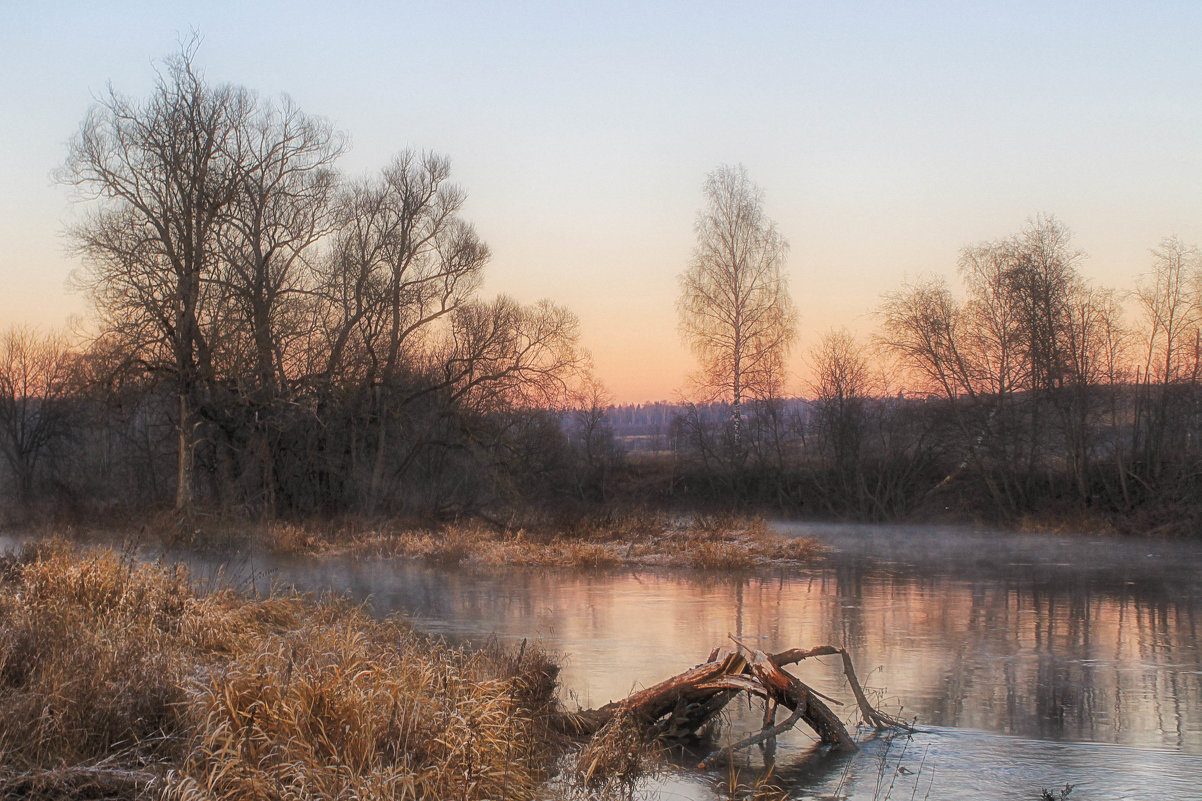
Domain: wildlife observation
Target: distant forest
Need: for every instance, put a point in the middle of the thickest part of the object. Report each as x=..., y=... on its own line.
x=273, y=340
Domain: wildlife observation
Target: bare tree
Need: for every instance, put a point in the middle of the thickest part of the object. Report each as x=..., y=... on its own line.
x=597, y=451
x=924, y=326
x=282, y=207
x=1018, y=342
x=162, y=177
x=503, y=355
x=1170, y=300
x=495, y=368
x=734, y=307
x=1171, y=303
x=208, y=202
x=1019, y=360
x=403, y=260
x=1042, y=279
x=933, y=336
x=994, y=363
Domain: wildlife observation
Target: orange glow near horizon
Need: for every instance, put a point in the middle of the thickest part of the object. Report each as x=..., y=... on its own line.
x=582, y=135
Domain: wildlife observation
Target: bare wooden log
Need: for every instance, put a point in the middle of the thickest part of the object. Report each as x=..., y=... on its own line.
x=789, y=691
x=868, y=712
x=682, y=704
x=699, y=686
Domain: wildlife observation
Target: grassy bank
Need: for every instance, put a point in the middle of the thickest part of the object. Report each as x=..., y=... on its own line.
x=613, y=540
x=119, y=679
x=646, y=540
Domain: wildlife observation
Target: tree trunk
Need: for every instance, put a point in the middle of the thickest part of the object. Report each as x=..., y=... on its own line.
x=187, y=452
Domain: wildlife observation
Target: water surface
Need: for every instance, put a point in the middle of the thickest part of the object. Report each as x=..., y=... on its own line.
x=1028, y=661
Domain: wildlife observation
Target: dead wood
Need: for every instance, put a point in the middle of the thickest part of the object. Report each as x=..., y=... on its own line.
x=680, y=705
x=769, y=732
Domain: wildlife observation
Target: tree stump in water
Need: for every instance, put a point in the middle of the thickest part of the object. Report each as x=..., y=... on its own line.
x=684, y=703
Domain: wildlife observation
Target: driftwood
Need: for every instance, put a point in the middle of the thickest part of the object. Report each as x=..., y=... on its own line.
x=684, y=703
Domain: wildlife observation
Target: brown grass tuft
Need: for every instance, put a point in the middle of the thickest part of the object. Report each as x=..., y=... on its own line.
x=353, y=708
x=117, y=678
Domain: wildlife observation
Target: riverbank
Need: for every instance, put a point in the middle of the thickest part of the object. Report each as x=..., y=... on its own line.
x=699, y=542
x=121, y=680
x=939, y=631
x=611, y=541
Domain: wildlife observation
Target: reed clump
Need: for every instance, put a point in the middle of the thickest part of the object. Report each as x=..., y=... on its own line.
x=118, y=679
x=352, y=709
x=736, y=543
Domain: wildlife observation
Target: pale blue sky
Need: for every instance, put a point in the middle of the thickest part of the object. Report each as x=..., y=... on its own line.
x=886, y=135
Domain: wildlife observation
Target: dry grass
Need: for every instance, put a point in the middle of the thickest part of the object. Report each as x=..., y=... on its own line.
x=348, y=710
x=119, y=680
x=613, y=540
x=706, y=543
x=619, y=753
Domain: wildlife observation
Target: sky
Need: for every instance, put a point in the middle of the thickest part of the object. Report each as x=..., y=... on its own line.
x=886, y=136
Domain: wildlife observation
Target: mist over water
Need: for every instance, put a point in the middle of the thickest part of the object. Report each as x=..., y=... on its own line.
x=1029, y=661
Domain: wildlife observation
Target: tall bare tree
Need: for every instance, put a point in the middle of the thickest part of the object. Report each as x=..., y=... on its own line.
x=1170, y=302
x=403, y=260
x=1043, y=281
x=282, y=207
x=161, y=175
x=734, y=307
x=208, y=202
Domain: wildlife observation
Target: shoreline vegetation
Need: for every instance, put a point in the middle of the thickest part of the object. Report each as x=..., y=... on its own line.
x=122, y=680
x=644, y=540
x=329, y=352
x=701, y=542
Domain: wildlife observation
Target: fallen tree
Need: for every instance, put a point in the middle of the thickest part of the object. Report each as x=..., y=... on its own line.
x=682, y=704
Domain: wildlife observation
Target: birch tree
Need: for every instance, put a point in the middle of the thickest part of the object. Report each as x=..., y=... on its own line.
x=735, y=311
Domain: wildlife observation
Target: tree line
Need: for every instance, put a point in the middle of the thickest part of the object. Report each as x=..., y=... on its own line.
x=272, y=338
x=1030, y=392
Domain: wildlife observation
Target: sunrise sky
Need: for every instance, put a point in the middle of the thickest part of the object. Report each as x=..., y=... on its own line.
x=886, y=136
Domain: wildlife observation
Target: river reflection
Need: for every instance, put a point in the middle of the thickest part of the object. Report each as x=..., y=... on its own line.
x=1052, y=641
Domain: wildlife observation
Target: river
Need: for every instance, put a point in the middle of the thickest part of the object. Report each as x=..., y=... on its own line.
x=1028, y=661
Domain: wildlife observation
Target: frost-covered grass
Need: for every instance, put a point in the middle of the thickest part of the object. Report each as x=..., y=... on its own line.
x=118, y=679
